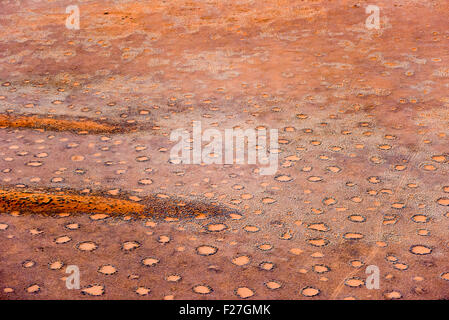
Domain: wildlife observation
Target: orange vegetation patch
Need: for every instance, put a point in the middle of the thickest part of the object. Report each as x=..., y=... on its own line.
x=47, y=203
x=68, y=202
x=34, y=122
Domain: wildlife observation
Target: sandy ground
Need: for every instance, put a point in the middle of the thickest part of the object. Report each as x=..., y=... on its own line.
x=363, y=149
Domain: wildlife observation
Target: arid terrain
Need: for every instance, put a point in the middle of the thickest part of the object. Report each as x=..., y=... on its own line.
x=85, y=172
